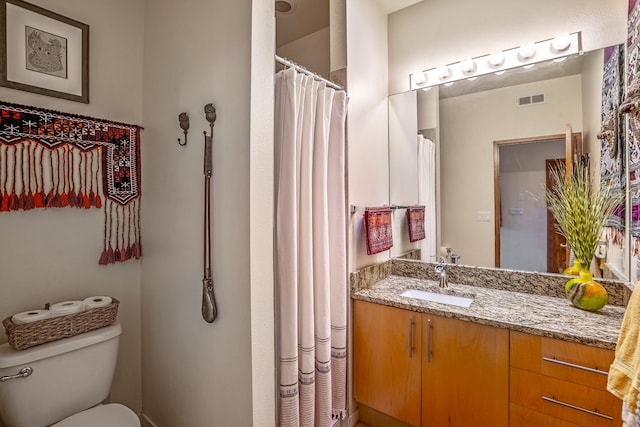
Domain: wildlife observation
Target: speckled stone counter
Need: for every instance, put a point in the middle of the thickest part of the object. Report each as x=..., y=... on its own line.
x=539, y=309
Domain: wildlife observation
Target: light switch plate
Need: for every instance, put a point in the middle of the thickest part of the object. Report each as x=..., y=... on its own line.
x=483, y=216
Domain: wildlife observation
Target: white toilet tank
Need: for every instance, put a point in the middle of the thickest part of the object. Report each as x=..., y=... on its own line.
x=69, y=376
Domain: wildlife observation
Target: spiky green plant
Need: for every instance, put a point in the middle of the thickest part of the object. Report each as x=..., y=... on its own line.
x=580, y=209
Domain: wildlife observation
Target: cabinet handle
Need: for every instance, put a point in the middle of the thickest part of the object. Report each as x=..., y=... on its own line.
x=578, y=408
x=429, y=340
x=572, y=365
x=410, y=337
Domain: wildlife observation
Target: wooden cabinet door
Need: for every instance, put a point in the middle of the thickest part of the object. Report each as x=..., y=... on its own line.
x=465, y=374
x=386, y=360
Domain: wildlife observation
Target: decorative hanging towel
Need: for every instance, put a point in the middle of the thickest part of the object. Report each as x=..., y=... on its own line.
x=415, y=222
x=631, y=106
x=612, y=149
x=52, y=159
x=377, y=222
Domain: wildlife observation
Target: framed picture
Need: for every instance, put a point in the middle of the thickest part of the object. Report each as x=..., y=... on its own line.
x=43, y=52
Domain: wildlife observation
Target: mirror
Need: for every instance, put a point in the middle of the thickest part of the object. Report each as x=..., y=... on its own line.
x=488, y=136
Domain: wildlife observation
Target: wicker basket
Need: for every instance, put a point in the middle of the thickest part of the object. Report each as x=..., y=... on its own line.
x=22, y=336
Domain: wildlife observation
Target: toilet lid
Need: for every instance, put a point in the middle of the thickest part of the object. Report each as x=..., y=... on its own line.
x=111, y=415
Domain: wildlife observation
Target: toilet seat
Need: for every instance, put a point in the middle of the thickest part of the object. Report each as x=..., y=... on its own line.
x=111, y=415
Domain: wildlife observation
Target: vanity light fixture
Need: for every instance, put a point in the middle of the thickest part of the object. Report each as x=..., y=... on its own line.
x=498, y=62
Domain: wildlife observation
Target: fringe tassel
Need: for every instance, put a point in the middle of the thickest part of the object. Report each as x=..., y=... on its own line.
x=33, y=176
x=121, y=232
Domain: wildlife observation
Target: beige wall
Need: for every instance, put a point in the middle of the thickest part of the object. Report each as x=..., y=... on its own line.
x=194, y=373
x=469, y=126
x=311, y=51
x=52, y=255
x=367, y=126
x=438, y=32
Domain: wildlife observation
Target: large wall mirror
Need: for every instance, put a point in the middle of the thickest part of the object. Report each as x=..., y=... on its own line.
x=495, y=138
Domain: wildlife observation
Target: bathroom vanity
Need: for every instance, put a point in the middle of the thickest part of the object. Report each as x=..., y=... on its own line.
x=519, y=358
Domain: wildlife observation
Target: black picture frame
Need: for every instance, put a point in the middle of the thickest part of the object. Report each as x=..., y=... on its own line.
x=43, y=52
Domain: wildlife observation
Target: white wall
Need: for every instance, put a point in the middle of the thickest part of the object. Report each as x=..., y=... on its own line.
x=367, y=126
x=469, y=126
x=52, y=255
x=403, y=165
x=198, y=374
x=311, y=51
x=438, y=32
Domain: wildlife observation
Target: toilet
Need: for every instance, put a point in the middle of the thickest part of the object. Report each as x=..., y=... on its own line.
x=62, y=383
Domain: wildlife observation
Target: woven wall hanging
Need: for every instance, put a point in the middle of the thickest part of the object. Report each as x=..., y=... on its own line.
x=50, y=159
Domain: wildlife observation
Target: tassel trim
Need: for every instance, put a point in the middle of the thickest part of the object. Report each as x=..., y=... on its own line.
x=121, y=233
x=36, y=177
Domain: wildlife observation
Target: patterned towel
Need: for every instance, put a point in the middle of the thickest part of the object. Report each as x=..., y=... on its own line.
x=415, y=221
x=377, y=222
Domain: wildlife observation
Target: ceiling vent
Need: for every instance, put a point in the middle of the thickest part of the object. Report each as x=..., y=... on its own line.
x=285, y=7
x=524, y=101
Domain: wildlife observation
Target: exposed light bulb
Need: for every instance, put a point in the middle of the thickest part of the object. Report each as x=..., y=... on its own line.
x=496, y=59
x=561, y=43
x=444, y=73
x=420, y=78
x=527, y=51
x=468, y=67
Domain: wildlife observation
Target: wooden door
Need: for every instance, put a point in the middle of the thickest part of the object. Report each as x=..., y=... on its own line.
x=465, y=374
x=557, y=250
x=386, y=360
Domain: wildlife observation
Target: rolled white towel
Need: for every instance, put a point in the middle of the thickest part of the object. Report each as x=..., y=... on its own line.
x=66, y=307
x=96, y=302
x=30, y=316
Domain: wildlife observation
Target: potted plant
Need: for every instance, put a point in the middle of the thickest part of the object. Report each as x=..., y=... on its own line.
x=581, y=211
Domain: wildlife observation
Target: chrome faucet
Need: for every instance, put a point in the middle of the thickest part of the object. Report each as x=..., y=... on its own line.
x=453, y=256
x=441, y=269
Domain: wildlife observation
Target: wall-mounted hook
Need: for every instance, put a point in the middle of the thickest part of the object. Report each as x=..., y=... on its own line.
x=210, y=115
x=183, y=120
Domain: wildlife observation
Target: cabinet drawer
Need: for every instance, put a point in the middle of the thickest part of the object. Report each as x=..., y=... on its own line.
x=577, y=363
x=525, y=417
x=575, y=403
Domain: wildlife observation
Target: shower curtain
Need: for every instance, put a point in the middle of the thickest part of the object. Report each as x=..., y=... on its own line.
x=311, y=271
x=427, y=195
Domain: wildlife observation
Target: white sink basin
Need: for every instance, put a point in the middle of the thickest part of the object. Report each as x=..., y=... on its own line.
x=456, y=300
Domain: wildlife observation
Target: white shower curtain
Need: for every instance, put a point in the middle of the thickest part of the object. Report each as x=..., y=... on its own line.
x=427, y=195
x=311, y=272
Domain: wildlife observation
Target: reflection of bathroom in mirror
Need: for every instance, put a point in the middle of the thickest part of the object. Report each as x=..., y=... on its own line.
x=475, y=126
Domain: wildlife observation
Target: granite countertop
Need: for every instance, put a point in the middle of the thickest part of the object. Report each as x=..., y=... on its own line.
x=548, y=316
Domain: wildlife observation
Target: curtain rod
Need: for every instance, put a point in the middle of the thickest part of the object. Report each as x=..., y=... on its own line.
x=297, y=67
